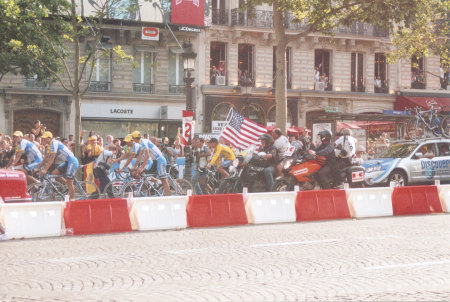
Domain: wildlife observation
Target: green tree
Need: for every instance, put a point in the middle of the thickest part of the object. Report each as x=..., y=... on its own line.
x=415, y=26
x=61, y=33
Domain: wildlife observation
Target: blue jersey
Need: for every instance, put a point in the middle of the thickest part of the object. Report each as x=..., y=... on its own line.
x=136, y=148
x=155, y=153
x=29, y=150
x=63, y=153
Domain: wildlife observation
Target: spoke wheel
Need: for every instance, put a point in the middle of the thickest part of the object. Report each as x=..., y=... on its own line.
x=38, y=193
x=133, y=187
x=183, y=186
x=89, y=190
x=445, y=126
x=416, y=129
x=227, y=186
x=115, y=185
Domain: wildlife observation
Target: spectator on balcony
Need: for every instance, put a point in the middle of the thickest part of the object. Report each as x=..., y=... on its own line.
x=213, y=74
x=246, y=79
x=316, y=74
x=222, y=68
x=420, y=81
x=377, y=84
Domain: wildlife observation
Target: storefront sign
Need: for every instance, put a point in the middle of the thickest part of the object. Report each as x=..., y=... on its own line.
x=150, y=33
x=331, y=109
x=207, y=136
x=189, y=29
x=395, y=112
x=130, y=111
x=121, y=111
x=217, y=126
x=190, y=12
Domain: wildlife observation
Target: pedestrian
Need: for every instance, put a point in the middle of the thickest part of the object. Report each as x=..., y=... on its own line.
x=102, y=166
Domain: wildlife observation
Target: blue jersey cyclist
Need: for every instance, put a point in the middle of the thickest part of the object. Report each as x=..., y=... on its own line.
x=68, y=162
x=132, y=153
x=150, y=150
x=31, y=152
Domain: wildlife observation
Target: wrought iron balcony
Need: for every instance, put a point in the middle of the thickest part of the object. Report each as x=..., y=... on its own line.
x=34, y=83
x=220, y=16
x=143, y=88
x=100, y=86
x=264, y=19
x=176, y=89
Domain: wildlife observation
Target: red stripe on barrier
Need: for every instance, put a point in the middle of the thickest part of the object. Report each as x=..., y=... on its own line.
x=216, y=210
x=321, y=205
x=416, y=200
x=97, y=216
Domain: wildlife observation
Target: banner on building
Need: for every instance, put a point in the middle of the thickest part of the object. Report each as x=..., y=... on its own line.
x=188, y=127
x=189, y=12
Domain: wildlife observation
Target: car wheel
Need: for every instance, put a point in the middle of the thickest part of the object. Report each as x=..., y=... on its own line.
x=398, y=178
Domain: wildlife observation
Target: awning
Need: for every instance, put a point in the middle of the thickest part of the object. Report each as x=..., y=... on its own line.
x=342, y=125
x=409, y=102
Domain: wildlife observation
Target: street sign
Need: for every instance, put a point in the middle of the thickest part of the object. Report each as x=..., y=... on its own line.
x=332, y=109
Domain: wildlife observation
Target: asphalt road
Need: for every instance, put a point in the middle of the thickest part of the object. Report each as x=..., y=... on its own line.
x=392, y=258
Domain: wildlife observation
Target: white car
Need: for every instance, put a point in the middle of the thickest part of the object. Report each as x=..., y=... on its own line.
x=409, y=162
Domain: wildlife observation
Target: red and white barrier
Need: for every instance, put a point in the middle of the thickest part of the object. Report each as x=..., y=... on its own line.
x=159, y=213
x=321, y=205
x=370, y=202
x=415, y=200
x=444, y=197
x=271, y=207
x=30, y=220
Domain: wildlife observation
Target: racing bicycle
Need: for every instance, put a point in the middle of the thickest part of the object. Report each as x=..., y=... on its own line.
x=428, y=120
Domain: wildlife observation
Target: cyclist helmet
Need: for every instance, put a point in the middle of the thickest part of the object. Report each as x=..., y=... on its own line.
x=136, y=134
x=325, y=135
x=267, y=138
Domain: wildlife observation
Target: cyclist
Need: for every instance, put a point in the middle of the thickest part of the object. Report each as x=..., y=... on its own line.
x=132, y=153
x=32, y=153
x=201, y=153
x=148, y=149
x=221, y=150
x=59, y=151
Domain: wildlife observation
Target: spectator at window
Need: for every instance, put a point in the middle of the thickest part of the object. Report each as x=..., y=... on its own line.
x=222, y=69
x=420, y=81
x=214, y=74
x=377, y=84
x=316, y=74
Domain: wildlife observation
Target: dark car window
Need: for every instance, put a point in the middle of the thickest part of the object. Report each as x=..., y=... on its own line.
x=398, y=151
x=444, y=149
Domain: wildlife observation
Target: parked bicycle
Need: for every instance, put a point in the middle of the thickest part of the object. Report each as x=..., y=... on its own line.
x=428, y=121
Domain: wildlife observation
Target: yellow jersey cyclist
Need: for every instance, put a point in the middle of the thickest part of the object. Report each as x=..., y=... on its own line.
x=59, y=151
x=221, y=151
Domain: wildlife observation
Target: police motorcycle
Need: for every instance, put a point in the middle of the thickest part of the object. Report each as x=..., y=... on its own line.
x=247, y=172
x=300, y=169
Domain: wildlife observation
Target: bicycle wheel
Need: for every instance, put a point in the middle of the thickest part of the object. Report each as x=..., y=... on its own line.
x=180, y=186
x=143, y=191
x=445, y=126
x=41, y=192
x=436, y=125
x=416, y=129
x=86, y=190
x=115, y=186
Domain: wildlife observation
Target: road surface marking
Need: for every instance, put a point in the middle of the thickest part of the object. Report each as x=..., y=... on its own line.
x=408, y=264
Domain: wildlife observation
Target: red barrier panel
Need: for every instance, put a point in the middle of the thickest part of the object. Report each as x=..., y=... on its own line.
x=216, y=210
x=321, y=205
x=416, y=200
x=97, y=216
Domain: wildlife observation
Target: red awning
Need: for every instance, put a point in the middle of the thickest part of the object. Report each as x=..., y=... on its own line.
x=342, y=125
x=405, y=102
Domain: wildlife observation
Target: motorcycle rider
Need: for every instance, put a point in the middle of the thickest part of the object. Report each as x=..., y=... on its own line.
x=346, y=146
x=268, y=158
x=281, y=143
x=326, y=149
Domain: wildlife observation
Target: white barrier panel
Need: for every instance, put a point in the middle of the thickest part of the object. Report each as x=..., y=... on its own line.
x=271, y=207
x=159, y=213
x=29, y=220
x=370, y=202
x=444, y=196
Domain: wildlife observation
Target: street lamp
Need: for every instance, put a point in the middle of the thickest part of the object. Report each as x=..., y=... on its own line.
x=189, y=66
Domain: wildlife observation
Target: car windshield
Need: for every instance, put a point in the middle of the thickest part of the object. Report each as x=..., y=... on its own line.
x=398, y=151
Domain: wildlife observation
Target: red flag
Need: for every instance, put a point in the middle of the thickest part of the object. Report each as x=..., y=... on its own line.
x=189, y=12
x=242, y=132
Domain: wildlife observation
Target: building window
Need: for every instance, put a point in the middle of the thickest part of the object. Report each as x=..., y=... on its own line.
x=101, y=76
x=381, y=82
x=218, y=59
x=143, y=81
x=271, y=117
x=33, y=82
x=255, y=113
x=219, y=12
x=357, y=72
x=417, y=73
x=246, y=74
x=288, y=66
x=176, y=71
x=322, y=78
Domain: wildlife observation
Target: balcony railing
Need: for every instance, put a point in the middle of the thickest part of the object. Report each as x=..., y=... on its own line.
x=220, y=16
x=34, y=83
x=264, y=19
x=176, y=89
x=143, y=88
x=100, y=86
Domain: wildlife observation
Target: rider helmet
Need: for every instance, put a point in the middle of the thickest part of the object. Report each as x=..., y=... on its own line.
x=325, y=135
x=267, y=138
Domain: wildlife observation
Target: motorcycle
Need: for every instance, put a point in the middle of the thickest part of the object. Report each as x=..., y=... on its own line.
x=302, y=171
x=246, y=173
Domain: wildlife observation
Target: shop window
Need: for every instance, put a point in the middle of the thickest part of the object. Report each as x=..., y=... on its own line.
x=322, y=77
x=255, y=113
x=288, y=66
x=271, y=117
x=246, y=74
x=220, y=111
x=417, y=72
x=219, y=12
x=143, y=76
x=34, y=82
x=381, y=82
x=218, y=59
x=176, y=71
x=444, y=75
x=101, y=76
x=357, y=73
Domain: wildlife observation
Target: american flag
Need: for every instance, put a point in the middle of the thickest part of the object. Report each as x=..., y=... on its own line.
x=242, y=132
